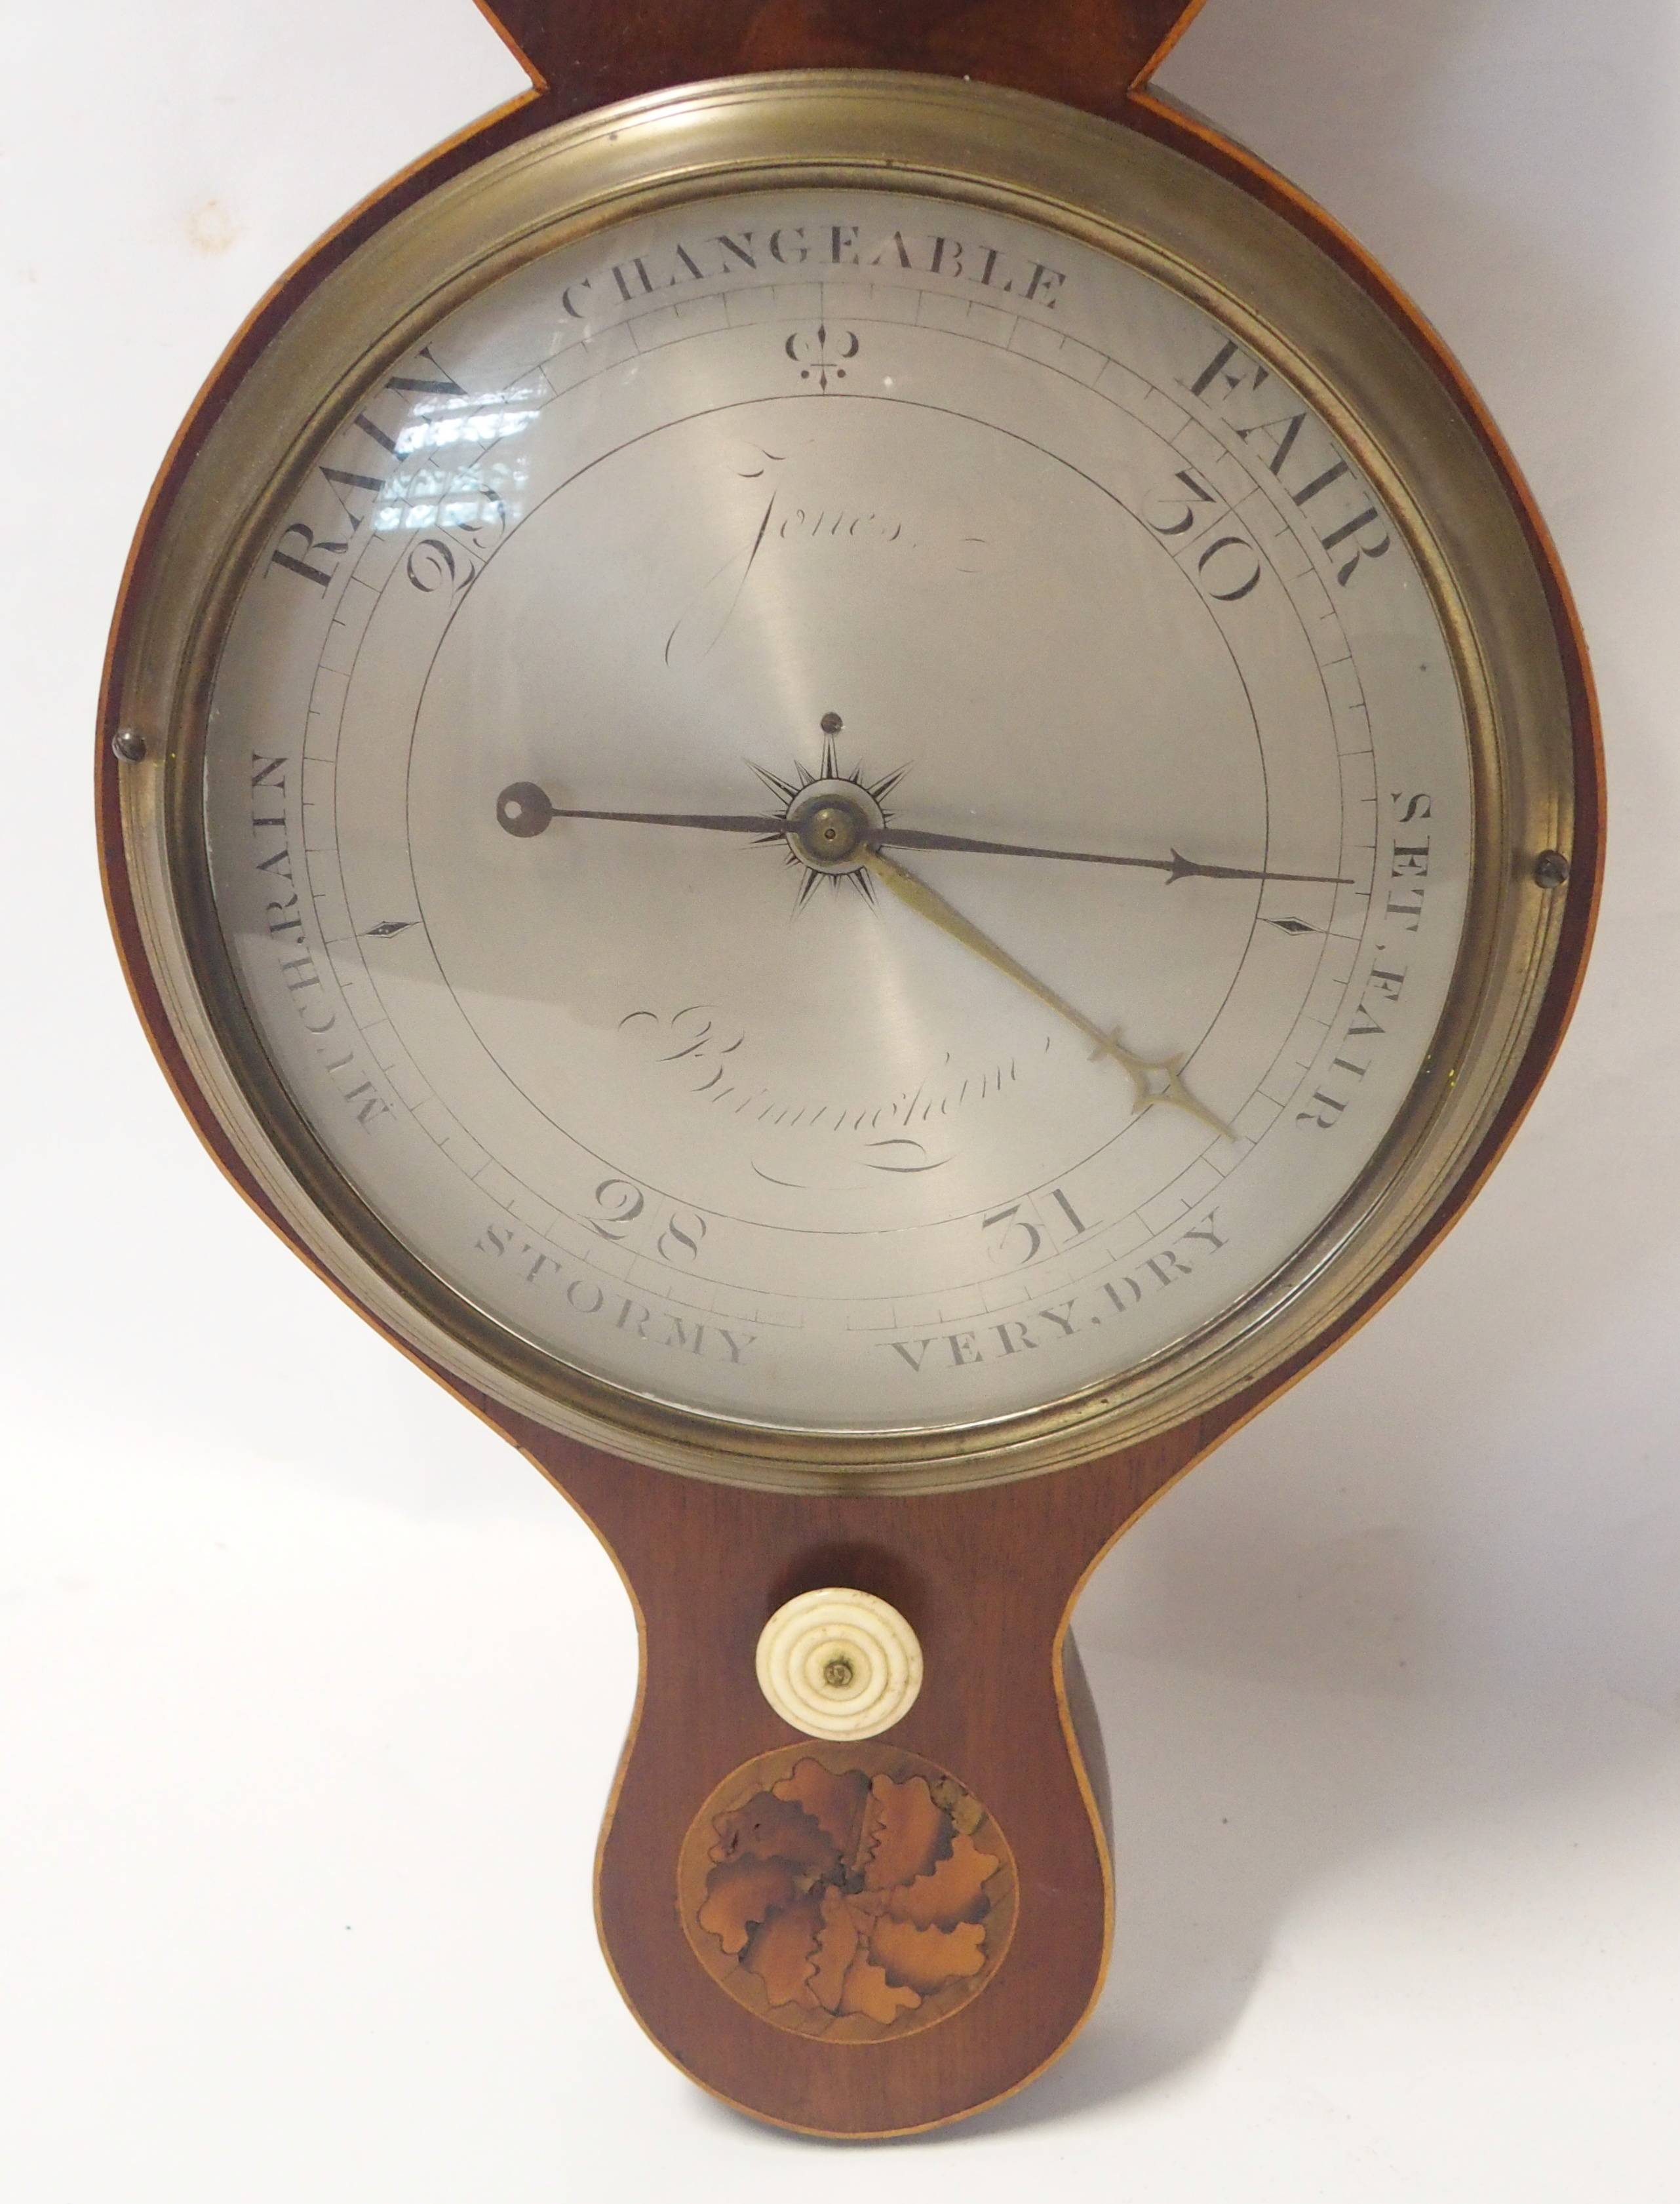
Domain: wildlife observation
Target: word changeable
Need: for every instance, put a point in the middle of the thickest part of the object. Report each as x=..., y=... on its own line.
x=810, y=249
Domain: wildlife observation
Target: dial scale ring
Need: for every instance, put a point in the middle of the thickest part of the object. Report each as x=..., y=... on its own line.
x=1515, y=800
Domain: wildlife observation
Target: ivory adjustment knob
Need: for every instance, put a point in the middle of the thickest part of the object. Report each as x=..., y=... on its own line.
x=839, y=1663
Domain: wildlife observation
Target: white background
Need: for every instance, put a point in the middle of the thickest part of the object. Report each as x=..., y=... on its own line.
x=311, y=1690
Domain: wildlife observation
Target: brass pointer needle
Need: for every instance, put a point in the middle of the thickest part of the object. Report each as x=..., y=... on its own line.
x=932, y=906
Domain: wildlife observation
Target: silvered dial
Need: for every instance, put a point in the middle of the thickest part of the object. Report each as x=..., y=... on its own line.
x=841, y=810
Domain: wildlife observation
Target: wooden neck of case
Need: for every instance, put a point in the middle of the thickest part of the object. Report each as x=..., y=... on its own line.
x=1086, y=53
x=867, y=1940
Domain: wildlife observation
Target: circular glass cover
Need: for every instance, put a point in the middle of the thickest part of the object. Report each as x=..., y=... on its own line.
x=840, y=810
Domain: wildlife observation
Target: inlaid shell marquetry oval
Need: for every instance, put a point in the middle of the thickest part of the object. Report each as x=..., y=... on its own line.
x=838, y=1663
x=847, y=1891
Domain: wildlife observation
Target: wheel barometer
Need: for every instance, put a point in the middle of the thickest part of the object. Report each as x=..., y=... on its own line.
x=862, y=789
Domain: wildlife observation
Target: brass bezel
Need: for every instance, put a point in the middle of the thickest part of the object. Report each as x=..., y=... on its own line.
x=1013, y=153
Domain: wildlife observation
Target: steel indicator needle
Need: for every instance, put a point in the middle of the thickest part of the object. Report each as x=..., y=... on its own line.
x=525, y=809
x=1175, y=868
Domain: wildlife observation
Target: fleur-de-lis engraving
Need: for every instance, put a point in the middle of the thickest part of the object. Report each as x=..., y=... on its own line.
x=821, y=350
